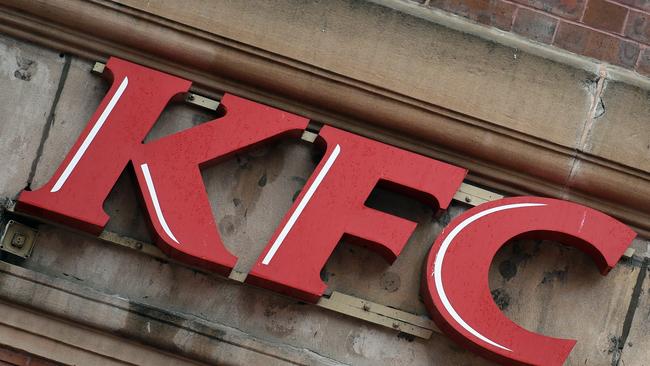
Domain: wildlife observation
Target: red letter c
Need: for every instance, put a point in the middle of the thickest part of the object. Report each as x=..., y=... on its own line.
x=456, y=289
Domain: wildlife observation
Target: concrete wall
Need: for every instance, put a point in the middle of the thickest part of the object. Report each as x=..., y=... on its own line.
x=189, y=316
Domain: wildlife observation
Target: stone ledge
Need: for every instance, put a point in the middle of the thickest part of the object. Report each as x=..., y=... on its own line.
x=203, y=341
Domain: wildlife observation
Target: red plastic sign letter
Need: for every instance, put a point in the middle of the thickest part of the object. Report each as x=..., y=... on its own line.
x=332, y=204
x=168, y=169
x=456, y=289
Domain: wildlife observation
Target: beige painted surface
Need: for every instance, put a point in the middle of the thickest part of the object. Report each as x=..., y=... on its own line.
x=638, y=341
x=559, y=291
x=79, y=98
x=395, y=52
x=29, y=77
x=622, y=133
x=72, y=344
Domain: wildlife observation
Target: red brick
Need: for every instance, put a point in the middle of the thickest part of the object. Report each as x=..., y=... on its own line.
x=535, y=25
x=639, y=4
x=638, y=26
x=42, y=362
x=605, y=15
x=496, y=13
x=13, y=357
x=569, y=9
x=602, y=46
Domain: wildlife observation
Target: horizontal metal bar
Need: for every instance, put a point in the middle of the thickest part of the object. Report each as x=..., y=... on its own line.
x=202, y=101
x=402, y=321
x=474, y=195
x=191, y=98
x=125, y=241
x=98, y=68
x=309, y=136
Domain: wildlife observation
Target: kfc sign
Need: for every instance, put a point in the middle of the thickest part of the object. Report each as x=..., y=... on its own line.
x=455, y=279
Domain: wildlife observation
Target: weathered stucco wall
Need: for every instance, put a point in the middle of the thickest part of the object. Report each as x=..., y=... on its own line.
x=46, y=99
x=521, y=116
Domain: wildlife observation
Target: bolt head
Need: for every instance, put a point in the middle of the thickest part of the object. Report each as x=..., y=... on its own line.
x=18, y=240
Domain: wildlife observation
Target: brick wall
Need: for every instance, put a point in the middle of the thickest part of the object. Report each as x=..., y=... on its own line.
x=11, y=357
x=615, y=31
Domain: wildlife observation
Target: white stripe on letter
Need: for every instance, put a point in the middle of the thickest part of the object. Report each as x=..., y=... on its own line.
x=301, y=206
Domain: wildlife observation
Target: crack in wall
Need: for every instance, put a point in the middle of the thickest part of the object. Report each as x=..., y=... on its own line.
x=629, y=316
x=596, y=110
x=50, y=119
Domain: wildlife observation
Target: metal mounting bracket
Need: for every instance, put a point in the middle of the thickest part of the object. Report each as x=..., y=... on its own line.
x=18, y=239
